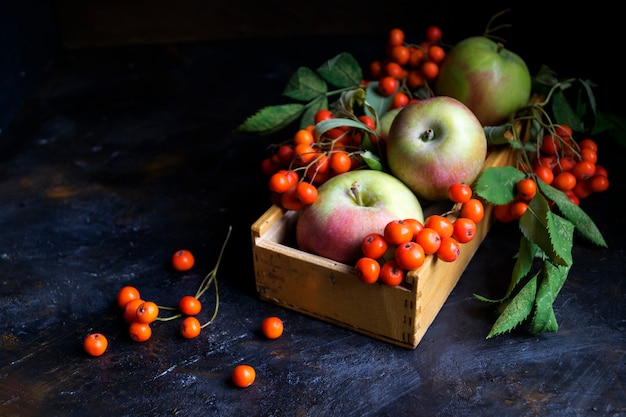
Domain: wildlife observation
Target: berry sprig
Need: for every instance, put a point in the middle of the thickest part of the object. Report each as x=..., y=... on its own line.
x=407, y=70
x=140, y=314
x=405, y=243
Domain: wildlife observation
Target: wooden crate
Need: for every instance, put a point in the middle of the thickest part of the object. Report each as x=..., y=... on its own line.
x=330, y=291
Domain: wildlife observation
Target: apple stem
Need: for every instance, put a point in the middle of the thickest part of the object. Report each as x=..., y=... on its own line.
x=355, y=193
x=500, y=46
x=428, y=135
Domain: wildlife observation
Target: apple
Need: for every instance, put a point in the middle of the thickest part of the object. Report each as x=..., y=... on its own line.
x=491, y=80
x=349, y=206
x=434, y=143
x=386, y=119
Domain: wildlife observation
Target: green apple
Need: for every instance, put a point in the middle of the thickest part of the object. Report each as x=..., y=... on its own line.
x=386, y=119
x=349, y=206
x=434, y=143
x=488, y=78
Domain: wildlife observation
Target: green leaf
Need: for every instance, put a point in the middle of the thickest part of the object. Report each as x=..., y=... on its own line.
x=271, y=119
x=524, y=263
x=618, y=127
x=574, y=214
x=342, y=71
x=554, y=277
x=376, y=104
x=308, y=117
x=497, y=184
x=326, y=125
x=550, y=232
x=349, y=99
x=305, y=85
x=516, y=311
x=372, y=161
x=563, y=112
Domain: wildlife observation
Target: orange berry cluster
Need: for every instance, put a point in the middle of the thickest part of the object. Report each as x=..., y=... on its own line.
x=404, y=244
x=406, y=67
x=305, y=161
x=568, y=165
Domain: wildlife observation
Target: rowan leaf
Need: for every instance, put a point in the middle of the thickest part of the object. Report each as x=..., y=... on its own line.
x=523, y=264
x=342, y=71
x=517, y=310
x=375, y=103
x=563, y=112
x=305, y=85
x=553, y=234
x=372, y=161
x=271, y=118
x=574, y=214
x=497, y=184
x=554, y=277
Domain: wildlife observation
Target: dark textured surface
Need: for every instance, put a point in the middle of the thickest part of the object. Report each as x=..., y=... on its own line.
x=124, y=155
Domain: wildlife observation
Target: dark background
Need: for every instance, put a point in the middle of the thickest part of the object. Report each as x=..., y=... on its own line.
x=582, y=42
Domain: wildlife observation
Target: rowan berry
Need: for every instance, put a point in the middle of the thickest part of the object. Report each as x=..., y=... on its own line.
x=598, y=183
x=588, y=143
x=396, y=37
x=459, y=192
x=340, y=162
x=415, y=226
x=400, y=99
x=394, y=70
x=464, y=229
x=290, y=201
x=95, y=344
x=430, y=70
x=147, y=312
x=518, y=208
x=564, y=181
x=243, y=376
x=130, y=310
x=502, y=213
x=409, y=255
x=303, y=136
x=374, y=246
x=126, y=294
x=436, y=53
x=544, y=173
x=323, y=114
x=429, y=240
x=433, y=34
x=441, y=224
x=367, y=270
x=473, y=209
x=590, y=155
x=391, y=273
x=190, y=327
x=140, y=332
x=449, y=250
x=272, y=327
x=182, y=260
x=189, y=305
x=387, y=86
x=415, y=79
x=397, y=232
x=584, y=169
x=400, y=54
x=550, y=145
x=526, y=188
x=306, y=192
